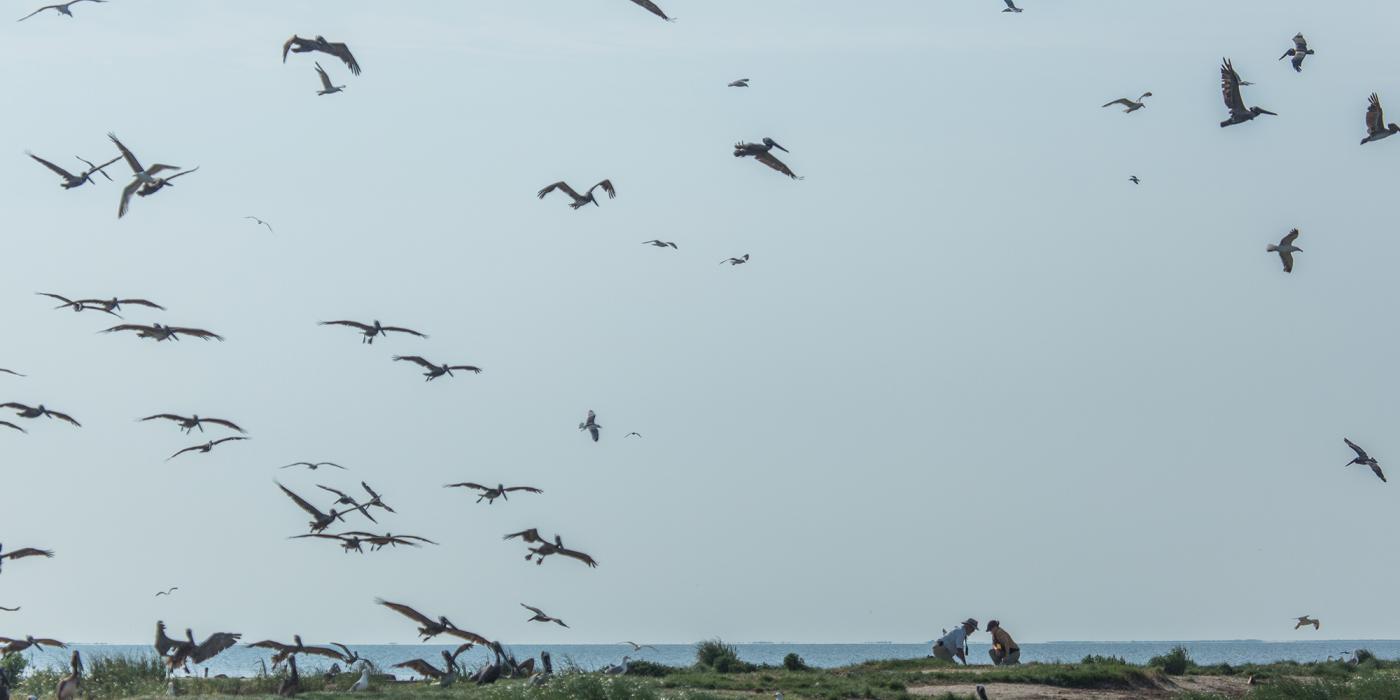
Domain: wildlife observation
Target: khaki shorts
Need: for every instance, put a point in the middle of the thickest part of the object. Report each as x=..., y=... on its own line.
x=942, y=652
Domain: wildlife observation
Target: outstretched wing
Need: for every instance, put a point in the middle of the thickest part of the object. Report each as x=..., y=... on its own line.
x=406, y=611
x=421, y=667
x=342, y=51
x=579, y=556
x=1375, y=117
x=467, y=484
x=416, y=360
x=467, y=368
x=1359, y=452
x=531, y=535
x=310, y=509
x=1120, y=101
x=64, y=417
x=214, y=645
x=534, y=610
x=337, y=492
x=1377, y=469
x=353, y=324
x=527, y=489
x=325, y=79
x=130, y=159
x=1292, y=236
x=27, y=552
x=1300, y=43
x=607, y=187
x=46, y=7
x=196, y=332
x=51, y=166
x=221, y=441
x=226, y=423
x=469, y=636
x=167, y=416
x=288, y=46
x=652, y=8
x=561, y=185
x=767, y=158
x=1230, y=88
x=400, y=329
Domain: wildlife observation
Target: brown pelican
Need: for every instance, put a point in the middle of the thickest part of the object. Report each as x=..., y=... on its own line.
x=1299, y=51
x=1131, y=106
x=545, y=548
x=350, y=656
x=61, y=7
x=736, y=261
x=449, y=672
x=763, y=153
x=189, y=424
x=652, y=8
x=430, y=628
x=286, y=651
x=39, y=411
x=326, y=87
x=374, y=329
x=660, y=244
x=1308, y=620
x=15, y=645
x=388, y=539
x=345, y=499
x=78, y=306
x=321, y=520
x=1134, y=179
x=638, y=647
x=1364, y=459
x=1011, y=6
x=374, y=498
x=115, y=304
x=1286, y=249
x=1376, y=128
x=143, y=176
x=348, y=542
x=491, y=494
x=206, y=447
x=742, y=82
x=541, y=617
x=580, y=200
x=178, y=653
x=260, y=222
x=167, y=591
x=160, y=332
x=313, y=466
x=1234, y=101
x=291, y=685
x=297, y=44
x=69, y=179
x=591, y=425
x=435, y=371
x=154, y=187
x=68, y=685
x=22, y=553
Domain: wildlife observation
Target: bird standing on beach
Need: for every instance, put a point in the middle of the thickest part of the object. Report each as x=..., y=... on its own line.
x=363, y=683
x=1307, y=620
x=1286, y=249
x=1364, y=459
x=1299, y=52
x=68, y=685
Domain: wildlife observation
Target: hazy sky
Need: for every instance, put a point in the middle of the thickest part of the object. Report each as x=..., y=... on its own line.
x=970, y=370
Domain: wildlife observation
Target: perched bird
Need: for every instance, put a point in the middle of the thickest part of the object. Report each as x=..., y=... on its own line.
x=326, y=87
x=160, y=332
x=260, y=222
x=1234, y=101
x=313, y=466
x=142, y=175
x=16, y=645
x=1286, y=249
x=545, y=548
x=1299, y=51
x=1131, y=106
x=545, y=673
x=1364, y=459
x=282, y=652
x=1134, y=179
x=763, y=153
x=1376, y=128
x=1011, y=6
x=39, y=411
x=540, y=616
x=981, y=692
x=320, y=520
x=68, y=685
x=591, y=425
x=62, y=9
x=580, y=200
x=370, y=330
x=206, y=447
x=736, y=261
x=69, y=179
x=449, y=671
x=21, y=554
x=363, y=683
x=742, y=82
x=435, y=371
x=660, y=244
x=430, y=628
x=298, y=44
x=168, y=591
x=638, y=647
x=194, y=421
x=491, y=494
x=621, y=669
x=1307, y=620
x=652, y=8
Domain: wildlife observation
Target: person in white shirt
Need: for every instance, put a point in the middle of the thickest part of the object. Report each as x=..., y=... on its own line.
x=954, y=644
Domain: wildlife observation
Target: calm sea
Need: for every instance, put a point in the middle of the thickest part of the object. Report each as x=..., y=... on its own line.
x=241, y=661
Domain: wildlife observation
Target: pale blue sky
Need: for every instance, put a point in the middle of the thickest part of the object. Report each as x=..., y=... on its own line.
x=971, y=370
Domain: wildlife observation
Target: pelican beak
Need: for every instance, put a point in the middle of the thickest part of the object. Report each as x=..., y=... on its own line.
x=1265, y=111
x=1297, y=249
x=784, y=150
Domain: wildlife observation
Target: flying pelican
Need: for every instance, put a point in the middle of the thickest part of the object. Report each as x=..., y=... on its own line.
x=591, y=425
x=39, y=411
x=1286, y=249
x=69, y=179
x=189, y=424
x=580, y=200
x=1307, y=620
x=345, y=499
x=348, y=543
x=260, y=222
x=77, y=306
x=435, y=371
x=540, y=616
x=326, y=87
x=61, y=7
x=1299, y=51
x=321, y=520
x=1234, y=101
x=660, y=244
x=445, y=677
x=313, y=466
x=1376, y=127
x=298, y=44
x=154, y=187
x=388, y=539
x=1364, y=459
x=638, y=647
x=160, y=332
x=363, y=683
x=491, y=494
x=369, y=331
x=652, y=8
x=430, y=628
x=374, y=498
x=1131, y=105
x=22, y=553
x=736, y=261
x=545, y=548
x=742, y=82
x=282, y=652
x=142, y=175
x=1011, y=6
x=206, y=447
x=763, y=153
x=68, y=685
x=17, y=645
x=115, y=304
x=177, y=653
x=1134, y=179
x=168, y=591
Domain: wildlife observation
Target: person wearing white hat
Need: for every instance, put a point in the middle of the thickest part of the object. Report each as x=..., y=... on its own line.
x=953, y=645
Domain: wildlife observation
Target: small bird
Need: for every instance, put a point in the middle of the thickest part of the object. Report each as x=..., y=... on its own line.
x=206, y=447
x=491, y=494
x=61, y=7
x=313, y=466
x=39, y=411
x=1307, y=620
x=628, y=435
x=1364, y=460
x=1299, y=51
x=580, y=200
x=260, y=222
x=69, y=179
x=160, y=332
x=736, y=261
x=326, y=87
x=742, y=82
x=652, y=8
x=1376, y=128
x=591, y=425
x=370, y=330
x=540, y=616
x=168, y=591
x=763, y=153
x=23, y=553
x=298, y=44
x=1134, y=179
x=1234, y=100
x=1286, y=249
x=192, y=422
x=660, y=244
x=1131, y=106
x=1011, y=6
x=435, y=371
x=638, y=647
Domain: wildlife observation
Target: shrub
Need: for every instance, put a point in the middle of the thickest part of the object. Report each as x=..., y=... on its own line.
x=13, y=665
x=1096, y=659
x=718, y=656
x=649, y=669
x=793, y=662
x=1174, y=662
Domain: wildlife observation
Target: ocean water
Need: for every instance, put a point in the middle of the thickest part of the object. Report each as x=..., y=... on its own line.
x=242, y=661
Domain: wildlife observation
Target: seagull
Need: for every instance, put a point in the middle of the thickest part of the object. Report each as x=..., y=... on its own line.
x=1376, y=128
x=580, y=200
x=298, y=44
x=435, y=371
x=205, y=448
x=628, y=435
x=24, y=552
x=1011, y=6
x=371, y=330
x=1286, y=249
x=260, y=222
x=429, y=628
x=172, y=589
x=69, y=179
x=541, y=617
x=142, y=175
x=591, y=425
x=326, y=87
x=363, y=683
x=160, y=332
x=621, y=669
x=763, y=153
x=189, y=424
x=652, y=8
x=1131, y=106
x=1364, y=459
x=1299, y=51
x=545, y=548
x=742, y=82
x=313, y=466
x=1306, y=620
x=1234, y=101
x=736, y=261
x=491, y=494
x=638, y=647
x=1134, y=179
x=39, y=411
x=320, y=521
x=660, y=244
x=61, y=7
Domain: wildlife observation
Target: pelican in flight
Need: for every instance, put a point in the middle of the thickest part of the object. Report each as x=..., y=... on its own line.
x=652, y=8
x=1299, y=52
x=22, y=553
x=435, y=371
x=369, y=331
x=298, y=44
x=39, y=411
x=320, y=520
x=591, y=425
x=1011, y=6
x=763, y=153
x=260, y=222
x=742, y=82
x=429, y=628
x=736, y=261
x=178, y=653
x=154, y=187
x=142, y=175
x=115, y=304
x=580, y=200
x=1306, y=620
x=660, y=243
x=1234, y=101
x=16, y=645
x=491, y=494
x=192, y=422
x=69, y=179
x=77, y=306
x=1376, y=128
x=1364, y=459
x=62, y=9
x=326, y=87
x=282, y=652
x=160, y=332
x=546, y=548
x=1286, y=249
x=540, y=616
x=206, y=447
x=313, y=466
x=1131, y=106
x=449, y=672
